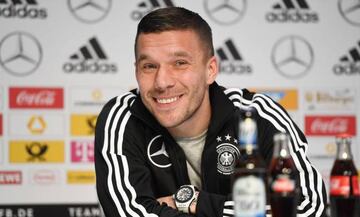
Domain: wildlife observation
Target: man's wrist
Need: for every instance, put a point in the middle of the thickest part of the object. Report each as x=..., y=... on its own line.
x=192, y=207
x=185, y=198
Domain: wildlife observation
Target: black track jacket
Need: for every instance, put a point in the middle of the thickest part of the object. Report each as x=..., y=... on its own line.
x=137, y=160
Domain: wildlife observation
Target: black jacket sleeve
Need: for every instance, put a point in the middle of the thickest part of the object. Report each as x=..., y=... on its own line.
x=123, y=181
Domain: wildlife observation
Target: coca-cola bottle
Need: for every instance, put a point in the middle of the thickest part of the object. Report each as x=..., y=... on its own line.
x=283, y=179
x=249, y=177
x=344, y=185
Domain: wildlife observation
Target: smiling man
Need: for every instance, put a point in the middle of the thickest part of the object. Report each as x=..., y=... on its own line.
x=174, y=77
x=159, y=147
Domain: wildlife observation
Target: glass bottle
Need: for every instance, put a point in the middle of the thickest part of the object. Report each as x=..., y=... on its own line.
x=249, y=177
x=344, y=185
x=283, y=179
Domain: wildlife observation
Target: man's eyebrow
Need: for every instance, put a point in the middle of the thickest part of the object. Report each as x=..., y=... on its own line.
x=142, y=57
x=183, y=54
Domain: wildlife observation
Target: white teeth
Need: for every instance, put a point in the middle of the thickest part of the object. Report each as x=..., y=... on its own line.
x=168, y=100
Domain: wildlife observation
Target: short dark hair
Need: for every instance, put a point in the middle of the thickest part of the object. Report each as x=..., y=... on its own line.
x=176, y=18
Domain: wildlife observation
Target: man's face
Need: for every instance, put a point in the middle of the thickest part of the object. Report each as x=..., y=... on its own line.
x=173, y=74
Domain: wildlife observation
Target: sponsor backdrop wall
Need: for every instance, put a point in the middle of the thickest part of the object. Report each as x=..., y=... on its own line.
x=61, y=60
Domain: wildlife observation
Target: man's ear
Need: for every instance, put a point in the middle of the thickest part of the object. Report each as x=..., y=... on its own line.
x=212, y=70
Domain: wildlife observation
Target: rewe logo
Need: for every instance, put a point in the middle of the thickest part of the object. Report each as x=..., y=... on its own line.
x=149, y=5
x=10, y=177
x=231, y=60
x=90, y=58
x=294, y=11
x=21, y=9
x=349, y=63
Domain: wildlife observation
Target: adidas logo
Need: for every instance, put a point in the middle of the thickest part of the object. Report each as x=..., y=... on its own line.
x=21, y=9
x=294, y=11
x=149, y=5
x=231, y=60
x=349, y=63
x=91, y=51
x=90, y=58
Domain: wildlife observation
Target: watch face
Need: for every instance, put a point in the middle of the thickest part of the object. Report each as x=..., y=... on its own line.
x=184, y=194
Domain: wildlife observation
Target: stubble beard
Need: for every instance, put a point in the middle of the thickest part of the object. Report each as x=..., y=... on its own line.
x=175, y=120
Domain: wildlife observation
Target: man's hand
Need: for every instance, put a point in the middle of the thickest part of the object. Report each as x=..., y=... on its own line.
x=169, y=200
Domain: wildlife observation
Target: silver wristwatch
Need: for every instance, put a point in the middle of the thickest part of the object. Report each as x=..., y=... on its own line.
x=184, y=196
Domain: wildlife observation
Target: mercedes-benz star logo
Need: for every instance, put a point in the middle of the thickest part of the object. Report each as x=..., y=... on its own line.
x=225, y=11
x=350, y=10
x=89, y=11
x=292, y=56
x=157, y=153
x=20, y=53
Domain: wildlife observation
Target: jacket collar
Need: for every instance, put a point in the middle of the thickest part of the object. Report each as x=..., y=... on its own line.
x=221, y=108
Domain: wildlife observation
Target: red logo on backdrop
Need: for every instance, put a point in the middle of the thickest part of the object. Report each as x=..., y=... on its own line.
x=35, y=97
x=1, y=127
x=10, y=177
x=330, y=125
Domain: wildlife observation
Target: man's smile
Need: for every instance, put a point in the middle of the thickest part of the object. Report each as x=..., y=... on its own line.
x=167, y=100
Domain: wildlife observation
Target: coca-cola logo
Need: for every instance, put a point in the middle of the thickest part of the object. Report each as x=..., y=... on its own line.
x=45, y=98
x=330, y=125
x=36, y=97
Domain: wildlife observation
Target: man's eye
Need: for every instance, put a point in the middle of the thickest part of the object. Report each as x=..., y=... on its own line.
x=149, y=66
x=180, y=63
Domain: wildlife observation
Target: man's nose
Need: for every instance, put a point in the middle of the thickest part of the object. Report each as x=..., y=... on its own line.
x=164, y=78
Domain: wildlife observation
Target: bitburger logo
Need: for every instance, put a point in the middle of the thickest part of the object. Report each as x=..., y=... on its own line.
x=231, y=62
x=22, y=9
x=349, y=63
x=90, y=58
x=145, y=7
x=294, y=11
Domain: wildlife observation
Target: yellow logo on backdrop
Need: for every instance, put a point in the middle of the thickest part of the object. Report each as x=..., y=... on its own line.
x=81, y=177
x=97, y=95
x=288, y=98
x=36, y=124
x=83, y=124
x=22, y=151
